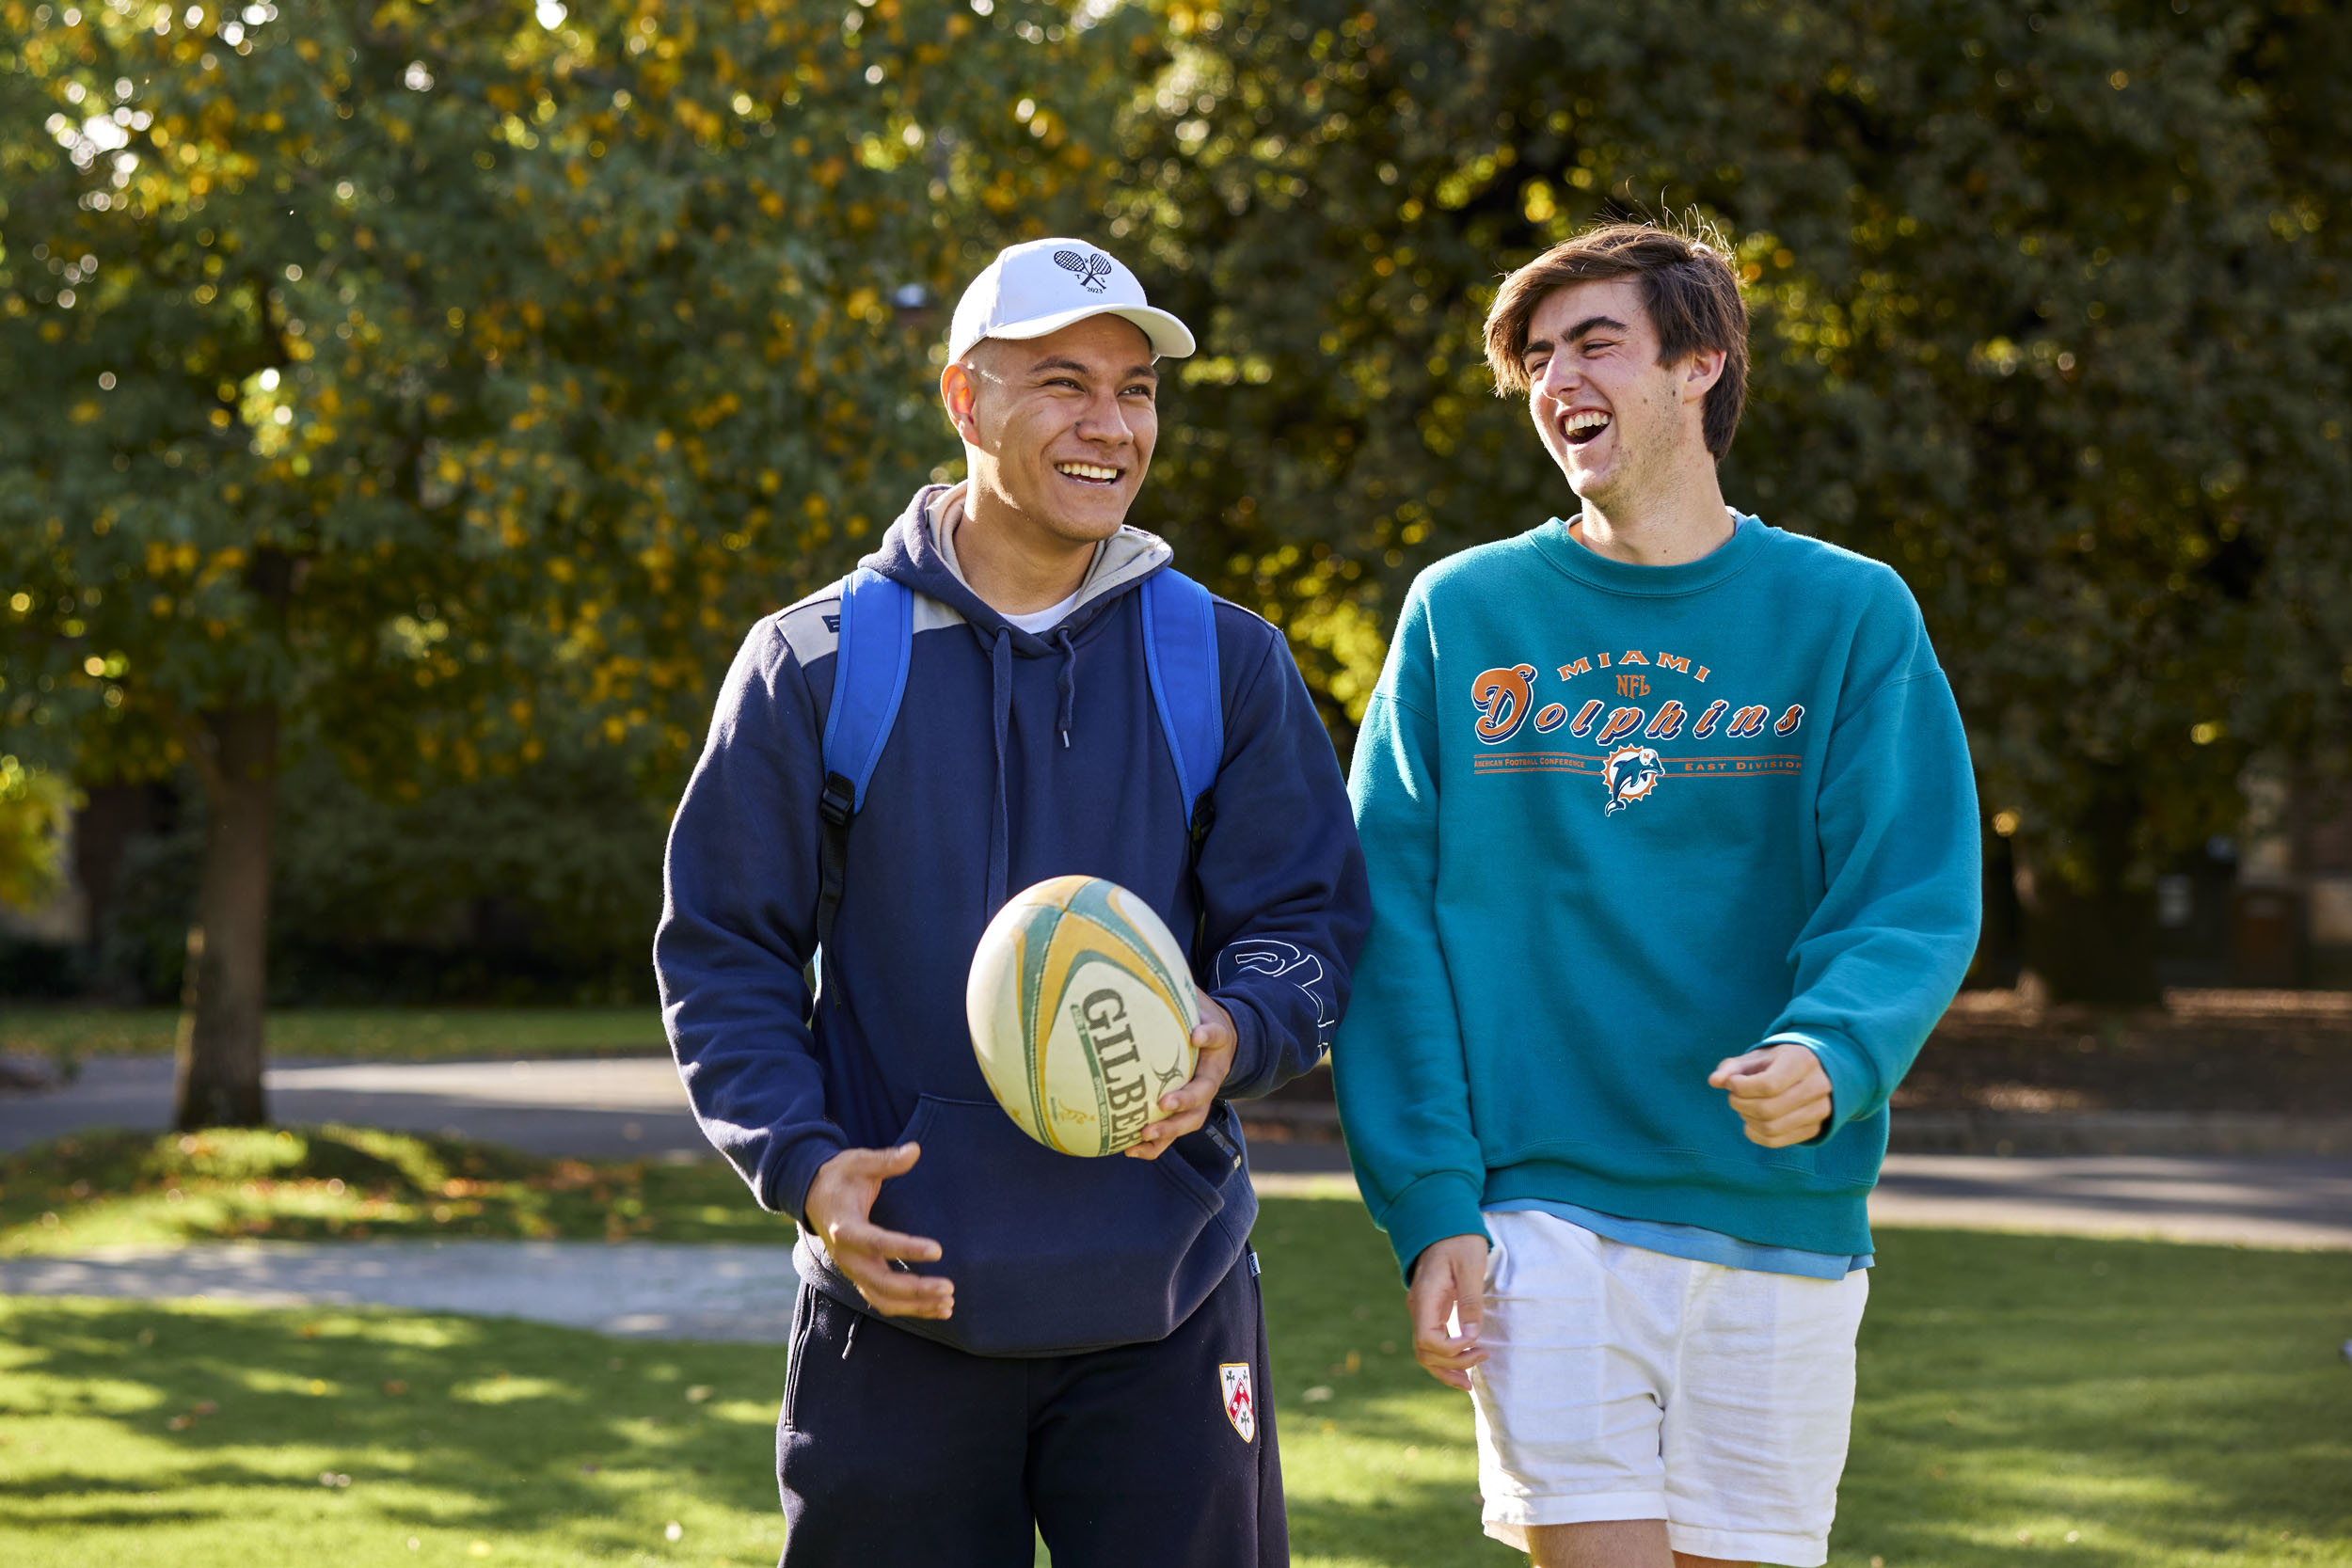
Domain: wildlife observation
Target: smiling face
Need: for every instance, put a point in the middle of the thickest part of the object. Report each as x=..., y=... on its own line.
x=1058, y=430
x=1617, y=422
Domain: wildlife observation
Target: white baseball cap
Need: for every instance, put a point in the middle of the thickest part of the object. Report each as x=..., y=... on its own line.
x=1044, y=285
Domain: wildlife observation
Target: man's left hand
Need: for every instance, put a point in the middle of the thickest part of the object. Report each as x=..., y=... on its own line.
x=1188, y=1105
x=1780, y=1091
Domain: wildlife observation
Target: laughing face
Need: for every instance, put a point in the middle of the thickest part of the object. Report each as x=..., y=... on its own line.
x=1058, y=430
x=1613, y=418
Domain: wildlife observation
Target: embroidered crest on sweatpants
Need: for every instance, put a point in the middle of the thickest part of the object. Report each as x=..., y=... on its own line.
x=1240, y=1408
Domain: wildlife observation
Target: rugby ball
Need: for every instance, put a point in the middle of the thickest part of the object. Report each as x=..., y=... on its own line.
x=1081, y=1011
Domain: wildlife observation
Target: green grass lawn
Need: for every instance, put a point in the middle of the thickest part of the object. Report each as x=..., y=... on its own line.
x=109, y=1188
x=2165, y=1407
x=359, y=1034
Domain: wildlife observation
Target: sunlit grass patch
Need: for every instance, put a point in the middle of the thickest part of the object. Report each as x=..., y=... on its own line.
x=2124, y=1405
x=2115, y=1404
x=143, y=1435
x=68, y=1033
x=112, y=1188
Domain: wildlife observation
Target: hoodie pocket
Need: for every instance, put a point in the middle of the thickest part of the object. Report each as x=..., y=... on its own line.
x=1051, y=1252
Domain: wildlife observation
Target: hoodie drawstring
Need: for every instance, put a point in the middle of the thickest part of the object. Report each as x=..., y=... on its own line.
x=1067, y=683
x=1000, y=827
x=1000, y=704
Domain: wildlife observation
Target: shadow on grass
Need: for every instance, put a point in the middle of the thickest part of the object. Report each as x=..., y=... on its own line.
x=1409, y=1527
x=258, y=1422
x=317, y=1184
x=95, y=1485
x=2166, y=1405
x=113, y=1518
x=2161, y=1404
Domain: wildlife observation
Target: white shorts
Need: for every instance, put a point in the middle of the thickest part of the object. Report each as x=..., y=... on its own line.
x=1623, y=1383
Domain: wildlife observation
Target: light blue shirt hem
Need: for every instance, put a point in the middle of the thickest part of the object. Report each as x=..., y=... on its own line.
x=1696, y=1242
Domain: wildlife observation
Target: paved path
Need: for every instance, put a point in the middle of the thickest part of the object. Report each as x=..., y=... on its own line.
x=607, y=1109
x=633, y=1106
x=668, y=1291
x=2245, y=1201
x=2262, y=1201
x=636, y=1289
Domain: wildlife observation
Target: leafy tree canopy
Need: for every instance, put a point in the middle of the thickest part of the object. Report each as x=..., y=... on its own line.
x=443, y=382
x=2049, y=315
x=445, y=373
x=437, y=381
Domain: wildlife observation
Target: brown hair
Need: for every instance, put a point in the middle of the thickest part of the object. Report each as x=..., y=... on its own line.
x=1688, y=284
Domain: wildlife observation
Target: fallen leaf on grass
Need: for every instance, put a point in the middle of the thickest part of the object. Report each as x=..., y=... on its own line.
x=395, y=1388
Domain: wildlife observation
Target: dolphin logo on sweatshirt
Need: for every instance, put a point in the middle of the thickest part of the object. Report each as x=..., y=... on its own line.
x=1631, y=773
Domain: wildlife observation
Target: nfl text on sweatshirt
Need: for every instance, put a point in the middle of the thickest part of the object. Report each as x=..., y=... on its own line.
x=1622, y=822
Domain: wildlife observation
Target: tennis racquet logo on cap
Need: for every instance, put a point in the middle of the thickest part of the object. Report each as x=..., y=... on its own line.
x=1091, y=268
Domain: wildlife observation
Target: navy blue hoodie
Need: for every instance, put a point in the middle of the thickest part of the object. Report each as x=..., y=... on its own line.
x=1015, y=758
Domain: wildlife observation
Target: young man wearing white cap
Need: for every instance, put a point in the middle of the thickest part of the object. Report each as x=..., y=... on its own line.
x=994, y=1341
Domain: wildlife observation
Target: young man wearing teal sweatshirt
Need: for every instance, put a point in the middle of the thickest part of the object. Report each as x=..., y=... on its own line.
x=1674, y=855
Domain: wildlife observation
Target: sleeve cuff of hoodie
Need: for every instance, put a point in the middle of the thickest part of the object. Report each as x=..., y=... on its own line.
x=784, y=1186
x=1429, y=1211
x=1853, y=1080
x=1247, y=1078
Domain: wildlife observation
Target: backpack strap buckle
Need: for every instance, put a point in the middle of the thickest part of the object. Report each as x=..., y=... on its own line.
x=839, y=802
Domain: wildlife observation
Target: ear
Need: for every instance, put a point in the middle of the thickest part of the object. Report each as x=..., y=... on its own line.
x=1700, y=371
x=957, y=394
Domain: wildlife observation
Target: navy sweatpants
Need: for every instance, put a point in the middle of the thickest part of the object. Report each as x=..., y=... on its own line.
x=893, y=1449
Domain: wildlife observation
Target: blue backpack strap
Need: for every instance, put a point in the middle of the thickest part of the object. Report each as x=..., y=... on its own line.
x=869, y=677
x=1180, y=655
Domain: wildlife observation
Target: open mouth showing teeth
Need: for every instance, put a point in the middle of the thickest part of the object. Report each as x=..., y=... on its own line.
x=1088, y=473
x=1584, y=425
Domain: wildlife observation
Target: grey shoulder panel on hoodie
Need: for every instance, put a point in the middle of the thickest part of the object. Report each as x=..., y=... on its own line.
x=931, y=616
x=812, y=627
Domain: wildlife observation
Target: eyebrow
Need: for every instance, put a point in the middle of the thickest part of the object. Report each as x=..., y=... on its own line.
x=1581, y=329
x=1060, y=364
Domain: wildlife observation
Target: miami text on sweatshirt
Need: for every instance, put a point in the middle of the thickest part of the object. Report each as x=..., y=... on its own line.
x=1622, y=822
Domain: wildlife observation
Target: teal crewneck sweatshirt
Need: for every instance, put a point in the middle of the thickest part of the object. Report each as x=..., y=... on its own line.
x=1623, y=822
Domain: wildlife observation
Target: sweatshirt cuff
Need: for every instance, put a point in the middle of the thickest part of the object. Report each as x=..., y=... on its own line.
x=1853, y=1080
x=783, y=1186
x=1429, y=1211
x=1246, y=1079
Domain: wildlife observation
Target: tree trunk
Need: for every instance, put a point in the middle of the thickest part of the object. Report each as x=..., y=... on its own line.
x=2097, y=947
x=219, y=1077
x=2095, y=943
